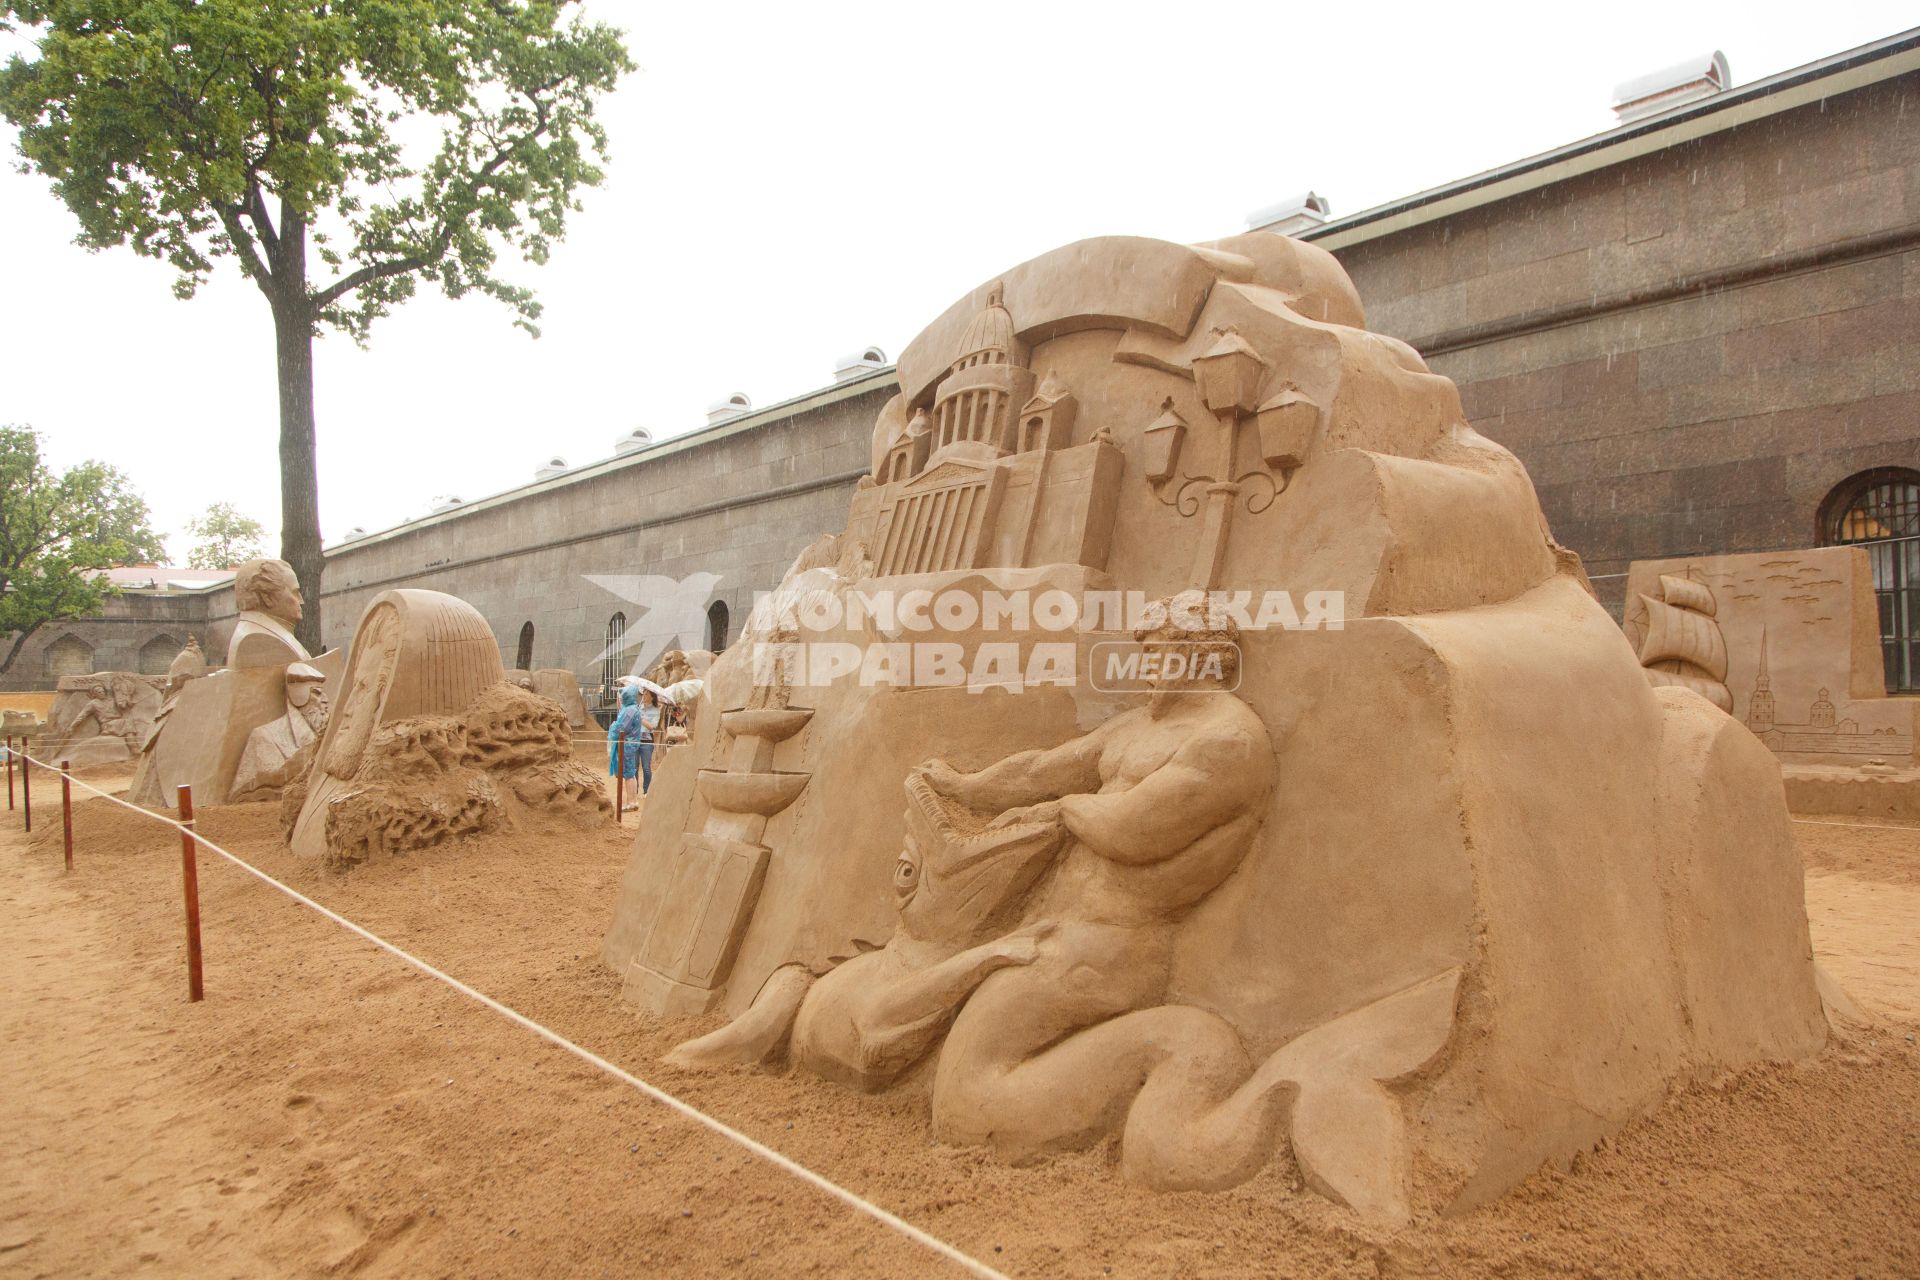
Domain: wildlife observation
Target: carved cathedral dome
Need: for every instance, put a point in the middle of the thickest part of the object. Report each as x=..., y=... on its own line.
x=989, y=338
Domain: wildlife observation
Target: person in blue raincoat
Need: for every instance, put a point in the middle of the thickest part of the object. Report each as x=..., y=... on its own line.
x=636, y=753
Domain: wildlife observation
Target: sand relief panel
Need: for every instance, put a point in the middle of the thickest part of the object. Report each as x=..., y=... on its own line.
x=1795, y=638
x=103, y=718
x=1337, y=891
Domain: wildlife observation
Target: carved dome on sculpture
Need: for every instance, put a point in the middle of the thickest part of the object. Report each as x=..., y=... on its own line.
x=989, y=338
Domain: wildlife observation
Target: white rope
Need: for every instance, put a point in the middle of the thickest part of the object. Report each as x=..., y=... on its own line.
x=1876, y=826
x=785, y=1163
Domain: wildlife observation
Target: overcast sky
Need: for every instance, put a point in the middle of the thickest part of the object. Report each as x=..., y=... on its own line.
x=790, y=182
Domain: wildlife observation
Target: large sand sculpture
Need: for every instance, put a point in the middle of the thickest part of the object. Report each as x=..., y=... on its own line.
x=1794, y=637
x=428, y=741
x=234, y=733
x=1426, y=898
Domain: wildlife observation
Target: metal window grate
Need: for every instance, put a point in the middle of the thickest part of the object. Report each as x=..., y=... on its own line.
x=1884, y=518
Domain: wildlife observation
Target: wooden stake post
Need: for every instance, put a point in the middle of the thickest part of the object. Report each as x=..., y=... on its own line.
x=66, y=808
x=190, y=881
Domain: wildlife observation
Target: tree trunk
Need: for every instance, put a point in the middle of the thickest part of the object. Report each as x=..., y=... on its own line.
x=299, y=473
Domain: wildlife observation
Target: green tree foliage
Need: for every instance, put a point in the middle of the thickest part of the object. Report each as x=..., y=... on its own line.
x=57, y=533
x=224, y=538
x=377, y=142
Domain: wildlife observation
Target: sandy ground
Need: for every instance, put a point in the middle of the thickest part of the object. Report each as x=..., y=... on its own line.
x=327, y=1110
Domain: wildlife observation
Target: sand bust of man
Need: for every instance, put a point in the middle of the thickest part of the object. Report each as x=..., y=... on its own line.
x=268, y=597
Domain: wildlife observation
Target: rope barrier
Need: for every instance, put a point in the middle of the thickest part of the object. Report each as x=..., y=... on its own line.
x=786, y=1164
x=1876, y=826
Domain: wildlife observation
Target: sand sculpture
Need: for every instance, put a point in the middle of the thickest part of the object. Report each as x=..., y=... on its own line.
x=213, y=721
x=190, y=663
x=1797, y=641
x=103, y=718
x=558, y=685
x=429, y=741
x=280, y=751
x=1425, y=898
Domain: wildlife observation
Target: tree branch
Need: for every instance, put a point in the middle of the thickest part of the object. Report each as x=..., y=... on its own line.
x=244, y=249
x=19, y=643
x=476, y=182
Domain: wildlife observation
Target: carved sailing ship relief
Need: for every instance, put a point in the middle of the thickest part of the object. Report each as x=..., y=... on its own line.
x=1682, y=644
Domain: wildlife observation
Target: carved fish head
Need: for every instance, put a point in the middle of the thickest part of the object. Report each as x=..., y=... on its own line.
x=958, y=882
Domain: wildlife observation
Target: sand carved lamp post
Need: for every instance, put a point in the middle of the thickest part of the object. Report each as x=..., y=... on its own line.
x=1230, y=375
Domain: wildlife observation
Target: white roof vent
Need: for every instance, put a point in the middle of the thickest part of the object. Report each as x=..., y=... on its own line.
x=730, y=408
x=554, y=466
x=1676, y=86
x=859, y=364
x=445, y=502
x=1290, y=217
x=635, y=440
x=354, y=534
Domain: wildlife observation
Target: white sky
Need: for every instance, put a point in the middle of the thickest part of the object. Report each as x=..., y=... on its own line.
x=790, y=182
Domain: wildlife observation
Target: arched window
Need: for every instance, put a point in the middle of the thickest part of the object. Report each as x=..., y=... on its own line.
x=524, y=660
x=1880, y=510
x=157, y=655
x=614, y=665
x=69, y=656
x=717, y=622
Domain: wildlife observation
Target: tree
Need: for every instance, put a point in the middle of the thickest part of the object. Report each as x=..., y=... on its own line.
x=277, y=132
x=57, y=533
x=225, y=538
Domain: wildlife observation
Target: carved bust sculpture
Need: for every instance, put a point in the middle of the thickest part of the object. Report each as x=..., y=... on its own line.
x=268, y=597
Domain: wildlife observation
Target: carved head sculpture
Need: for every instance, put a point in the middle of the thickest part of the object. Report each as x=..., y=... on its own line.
x=269, y=587
x=304, y=684
x=1201, y=643
x=957, y=881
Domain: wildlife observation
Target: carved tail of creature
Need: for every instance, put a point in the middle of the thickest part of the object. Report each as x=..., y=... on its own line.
x=758, y=1035
x=1198, y=1116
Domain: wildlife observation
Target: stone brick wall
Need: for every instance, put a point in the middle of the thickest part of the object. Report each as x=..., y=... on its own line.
x=116, y=638
x=1660, y=421
x=739, y=501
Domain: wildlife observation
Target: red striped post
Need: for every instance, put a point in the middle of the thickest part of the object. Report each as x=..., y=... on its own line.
x=9, y=771
x=66, y=808
x=190, y=883
x=619, y=780
x=26, y=789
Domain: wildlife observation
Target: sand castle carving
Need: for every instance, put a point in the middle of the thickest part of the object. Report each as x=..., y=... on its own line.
x=428, y=741
x=236, y=732
x=1424, y=899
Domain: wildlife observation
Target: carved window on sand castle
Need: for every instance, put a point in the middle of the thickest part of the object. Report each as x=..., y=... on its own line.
x=523, y=659
x=1880, y=511
x=69, y=656
x=941, y=520
x=977, y=413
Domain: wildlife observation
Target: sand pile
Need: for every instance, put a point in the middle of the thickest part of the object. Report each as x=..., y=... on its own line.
x=326, y=1109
